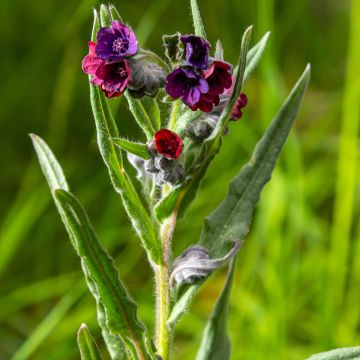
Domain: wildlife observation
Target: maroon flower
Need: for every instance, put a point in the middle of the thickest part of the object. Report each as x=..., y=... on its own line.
x=218, y=77
x=197, y=49
x=241, y=102
x=116, y=42
x=187, y=84
x=168, y=143
x=112, y=77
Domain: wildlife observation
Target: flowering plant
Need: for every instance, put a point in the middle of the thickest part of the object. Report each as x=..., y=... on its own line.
x=203, y=93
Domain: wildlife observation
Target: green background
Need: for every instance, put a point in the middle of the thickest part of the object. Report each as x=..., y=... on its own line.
x=297, y=285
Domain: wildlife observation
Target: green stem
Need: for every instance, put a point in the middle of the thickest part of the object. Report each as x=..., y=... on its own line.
x=174, y=114
x=163, y=332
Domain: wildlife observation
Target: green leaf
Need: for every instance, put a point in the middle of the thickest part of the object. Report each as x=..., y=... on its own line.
x=180, y=197
x=49, y=164
x=254, y=55
x=350, y=353
x=152, y=107
x=87, y=345
x=120, y=308
x=141, y=116
x=197, y=22
x=231, y=220
x=138, y=149
x=215, y=343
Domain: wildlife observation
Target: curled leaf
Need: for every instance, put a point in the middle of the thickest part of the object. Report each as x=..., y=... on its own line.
x=195, y=264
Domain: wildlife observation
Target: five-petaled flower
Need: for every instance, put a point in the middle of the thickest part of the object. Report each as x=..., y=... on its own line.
x=115, y=42
x=168, y=143
x=200, y=82
x=111, y=76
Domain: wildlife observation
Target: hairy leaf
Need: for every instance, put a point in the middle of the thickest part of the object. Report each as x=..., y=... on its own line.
x=197, y=22
x=141, y=116
x=120, y=308
x=49, y=164
x=350, y=353
x=230, y=222
x=215, y=343
x=182, y=195
x=106, y=131
x=138, y=149
x=87, y=345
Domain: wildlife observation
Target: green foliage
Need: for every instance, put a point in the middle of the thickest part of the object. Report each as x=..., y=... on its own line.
x=215, y=343
x=338, y=354
x=197, y=21
x=230, y=222
x=87, y=346
x=132, y=147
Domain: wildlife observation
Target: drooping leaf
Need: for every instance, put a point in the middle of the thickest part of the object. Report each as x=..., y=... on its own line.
x=350, y=353
x=231, y=220
x=181, y=196
x=197, y=21
x=215, y=343
x=138, y=149
x=120, y=308
x=87, y=346
x=106, y=131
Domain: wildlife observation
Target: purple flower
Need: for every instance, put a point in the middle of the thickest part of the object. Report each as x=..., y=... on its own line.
x=197, y=50
x=186, y=84
x=241, y=102
x=112, y=77
x=115, y=42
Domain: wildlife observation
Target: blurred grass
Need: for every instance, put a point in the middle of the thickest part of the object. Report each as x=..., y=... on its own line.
x=297, y=287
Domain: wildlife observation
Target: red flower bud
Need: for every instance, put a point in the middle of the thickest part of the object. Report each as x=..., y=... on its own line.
x=168, y=143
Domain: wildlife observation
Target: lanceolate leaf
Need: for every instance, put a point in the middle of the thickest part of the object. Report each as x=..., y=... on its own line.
x=87, y=345
x=231, y=220
x=119, y=307
x=215, y=343
x=106, y=130
x=132, y=147
x=254, y=55
x=351, y=353
x=49, y=164
x=198, y=24
x=181, y=196
x=56, y=180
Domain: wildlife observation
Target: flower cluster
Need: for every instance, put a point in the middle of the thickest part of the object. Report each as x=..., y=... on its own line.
x=164, y=150
x=106, y=61
x=200, y=81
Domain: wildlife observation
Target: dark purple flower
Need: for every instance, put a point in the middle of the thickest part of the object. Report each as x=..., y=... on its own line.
x=168, y=143
x=112, y=77
x=116, y=42
x=197, y=49
x=186, y=84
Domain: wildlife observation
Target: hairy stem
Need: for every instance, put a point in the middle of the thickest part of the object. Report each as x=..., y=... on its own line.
x=163, y=332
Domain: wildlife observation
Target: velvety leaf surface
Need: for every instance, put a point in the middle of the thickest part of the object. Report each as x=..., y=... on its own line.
x=132, y=147
x=197, y=21
x=215, y=343
x=350, y=353
x=231, y=220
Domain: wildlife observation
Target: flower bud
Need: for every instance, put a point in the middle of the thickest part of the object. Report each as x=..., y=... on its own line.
x=150, y=166
x=151, y=148
x=195, y=264
x=147, y=76
x=174, y=175
x=163, y=163
x=202, y=129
